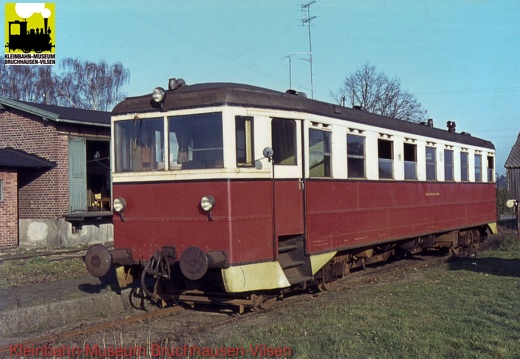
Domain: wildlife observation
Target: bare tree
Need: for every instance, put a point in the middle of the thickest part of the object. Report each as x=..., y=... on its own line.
x=89, y=85
x=377, y=93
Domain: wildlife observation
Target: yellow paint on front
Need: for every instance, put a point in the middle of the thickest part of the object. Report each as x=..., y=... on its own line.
x=493, y=228
x=319, y=260
x=256, y=276
x=124, y=278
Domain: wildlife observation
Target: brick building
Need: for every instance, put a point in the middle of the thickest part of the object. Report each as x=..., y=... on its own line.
x=14, y=164
x=53, y=182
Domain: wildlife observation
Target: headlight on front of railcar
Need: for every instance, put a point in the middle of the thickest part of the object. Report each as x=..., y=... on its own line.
x=207, y=203
x=119, y=205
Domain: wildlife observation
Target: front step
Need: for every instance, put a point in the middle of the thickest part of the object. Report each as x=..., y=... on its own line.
x=286, y=248
x=295, y=264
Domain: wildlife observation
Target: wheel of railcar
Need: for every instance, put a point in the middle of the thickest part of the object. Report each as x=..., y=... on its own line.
x=454, y=251
x=475, y=239
x=324, y=287
x=263, y=302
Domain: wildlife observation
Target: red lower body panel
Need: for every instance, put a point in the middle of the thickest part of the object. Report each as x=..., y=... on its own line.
x=355, y=214
x=168, y=214
x=338, y=214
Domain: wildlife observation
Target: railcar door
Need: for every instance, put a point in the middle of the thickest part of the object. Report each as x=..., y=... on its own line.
x=287, y=176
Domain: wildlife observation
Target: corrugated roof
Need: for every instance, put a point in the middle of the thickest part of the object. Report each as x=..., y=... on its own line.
x=9, y=157
x=513, y=160
x=60, y=113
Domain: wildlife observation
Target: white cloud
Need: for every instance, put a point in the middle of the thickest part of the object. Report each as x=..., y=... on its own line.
x=26, y=10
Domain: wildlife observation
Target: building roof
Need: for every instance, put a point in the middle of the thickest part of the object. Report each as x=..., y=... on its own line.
x=9, y=157
x=513, y=160
x=60, y=113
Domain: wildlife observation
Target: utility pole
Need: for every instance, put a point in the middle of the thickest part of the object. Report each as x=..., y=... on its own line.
x=307, y=21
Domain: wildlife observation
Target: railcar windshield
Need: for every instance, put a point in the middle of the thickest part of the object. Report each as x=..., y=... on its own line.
x=139, y=145
x=196, y=141
x=193, y=142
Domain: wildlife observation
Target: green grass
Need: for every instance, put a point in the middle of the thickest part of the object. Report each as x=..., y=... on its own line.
x=38, y=270
x=469, y=308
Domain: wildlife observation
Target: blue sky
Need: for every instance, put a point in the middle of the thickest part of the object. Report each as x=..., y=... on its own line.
x=461, y=58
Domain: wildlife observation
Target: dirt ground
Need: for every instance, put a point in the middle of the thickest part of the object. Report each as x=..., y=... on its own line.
x=42, y=293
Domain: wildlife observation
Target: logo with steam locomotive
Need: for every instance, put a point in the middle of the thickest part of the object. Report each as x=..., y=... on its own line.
x=29, y=29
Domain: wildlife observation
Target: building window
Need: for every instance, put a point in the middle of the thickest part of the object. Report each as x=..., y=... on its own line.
x=1, y=189
x=385, y=156
x=244, y=141
x=410, y=161
x=283, y=137
x=320, y=153
x=431, y=164
x=448, y=165
x=490, y=168
x=464, y=167
x=356, y=156
x=478, y=168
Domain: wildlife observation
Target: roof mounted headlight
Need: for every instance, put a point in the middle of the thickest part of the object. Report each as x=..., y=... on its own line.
x=158, y=94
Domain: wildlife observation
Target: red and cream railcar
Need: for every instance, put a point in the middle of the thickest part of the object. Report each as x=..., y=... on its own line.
x=229, y=188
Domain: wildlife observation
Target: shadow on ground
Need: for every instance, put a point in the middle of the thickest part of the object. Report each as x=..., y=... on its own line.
x=509, y=222
x=108, y=281
x=492, y=266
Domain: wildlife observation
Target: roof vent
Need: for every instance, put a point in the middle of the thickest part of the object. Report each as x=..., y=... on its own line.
x=451, y=126
x=358, y=107
x=296, y=93
x=428, y=123
x=174, y=84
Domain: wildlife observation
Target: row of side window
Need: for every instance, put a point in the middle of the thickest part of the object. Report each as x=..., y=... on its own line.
x=283, y=139
x=356, y=161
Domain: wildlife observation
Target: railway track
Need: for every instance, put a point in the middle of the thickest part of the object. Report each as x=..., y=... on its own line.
x=356, y=279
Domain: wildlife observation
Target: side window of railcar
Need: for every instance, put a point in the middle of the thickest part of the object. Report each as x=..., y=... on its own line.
x=464, y=167
x=431, y=164
x=244, y=141
x=356, y=156
x=196, y=141
x=320, y=153
x=410, y=161
x=386, y=159
x=491, y=168
x=283, y=136
x=478, y=168
x=139, y=145
x=448, y=165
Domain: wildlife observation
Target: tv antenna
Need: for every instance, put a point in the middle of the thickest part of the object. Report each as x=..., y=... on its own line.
x=307, y=21
x=290, y=63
